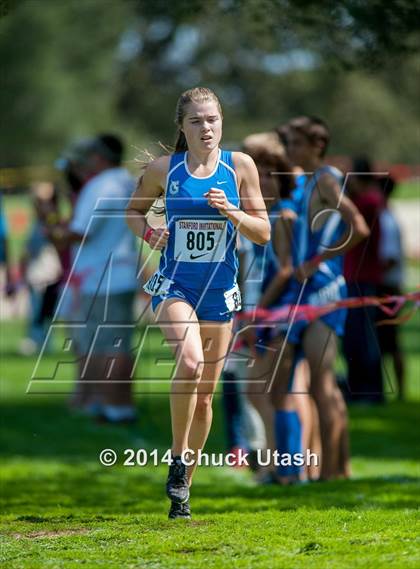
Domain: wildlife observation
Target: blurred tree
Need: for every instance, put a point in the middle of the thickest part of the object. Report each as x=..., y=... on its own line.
x=59, y=73
x=74, y=67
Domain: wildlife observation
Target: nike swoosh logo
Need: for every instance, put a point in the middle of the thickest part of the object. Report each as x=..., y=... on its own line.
x=224, y=182
x=178, y=293
x=197, y=256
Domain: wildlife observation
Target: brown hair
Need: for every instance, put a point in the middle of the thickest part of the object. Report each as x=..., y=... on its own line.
x=265, y=147
x=314, y=129
x=196, y=95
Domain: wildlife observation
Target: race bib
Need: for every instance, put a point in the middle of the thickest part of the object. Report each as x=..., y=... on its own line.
x=200, y=241
x=233, y=299
x=157, y=285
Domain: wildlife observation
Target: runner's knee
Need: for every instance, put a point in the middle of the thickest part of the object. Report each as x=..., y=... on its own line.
x=203, y=406
x=190, y=368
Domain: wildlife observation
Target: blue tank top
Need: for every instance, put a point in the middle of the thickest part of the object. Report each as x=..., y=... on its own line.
x=294, y=202
x=201, y=249
x=309, y=242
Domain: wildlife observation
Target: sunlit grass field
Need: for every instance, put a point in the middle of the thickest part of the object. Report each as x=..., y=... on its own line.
x=62, y=509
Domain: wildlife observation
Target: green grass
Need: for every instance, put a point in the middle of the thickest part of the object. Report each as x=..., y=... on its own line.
x=62, y=509
x=409, y=190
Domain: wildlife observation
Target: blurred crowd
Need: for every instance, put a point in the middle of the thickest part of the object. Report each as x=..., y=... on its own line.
x=83, y=267
x=293, y=420
x=81, y=270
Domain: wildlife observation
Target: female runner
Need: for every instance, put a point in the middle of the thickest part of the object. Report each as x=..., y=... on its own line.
x=209, y=195
x=287, y=409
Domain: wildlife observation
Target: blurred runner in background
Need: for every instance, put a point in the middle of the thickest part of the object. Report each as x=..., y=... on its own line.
x=287, y=410
x=320, y=238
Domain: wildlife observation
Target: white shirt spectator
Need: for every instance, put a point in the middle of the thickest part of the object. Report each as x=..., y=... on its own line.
x=108, y=256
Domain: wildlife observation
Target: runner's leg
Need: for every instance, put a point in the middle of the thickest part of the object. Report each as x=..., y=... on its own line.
x=181, y=328
x=215, y=338
x=320, y=347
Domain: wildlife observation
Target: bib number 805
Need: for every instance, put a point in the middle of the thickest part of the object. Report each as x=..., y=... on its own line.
x=198, y=240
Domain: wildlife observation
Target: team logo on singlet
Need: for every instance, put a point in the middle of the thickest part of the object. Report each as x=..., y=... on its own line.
x=174, y=187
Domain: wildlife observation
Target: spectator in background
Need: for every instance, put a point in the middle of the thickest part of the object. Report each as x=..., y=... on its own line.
x=75, y=167
x=363, y=271
x=391, y=254
x=4, y=251
x=103, y=278
x=41, y=267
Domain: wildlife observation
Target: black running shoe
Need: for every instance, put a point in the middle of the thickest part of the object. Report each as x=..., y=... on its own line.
x=177, y=488
x=180, y=511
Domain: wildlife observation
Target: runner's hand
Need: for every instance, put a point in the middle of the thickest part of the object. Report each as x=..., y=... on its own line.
x=158, y=238
x=217, y=198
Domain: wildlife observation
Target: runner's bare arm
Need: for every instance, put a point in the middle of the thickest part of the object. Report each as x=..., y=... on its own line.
x=151, y=185
x=282, y=244
x=252, y=220
x=332, y=195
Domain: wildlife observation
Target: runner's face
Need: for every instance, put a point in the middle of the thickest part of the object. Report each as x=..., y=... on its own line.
x=299, y=149
x=202, y=126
